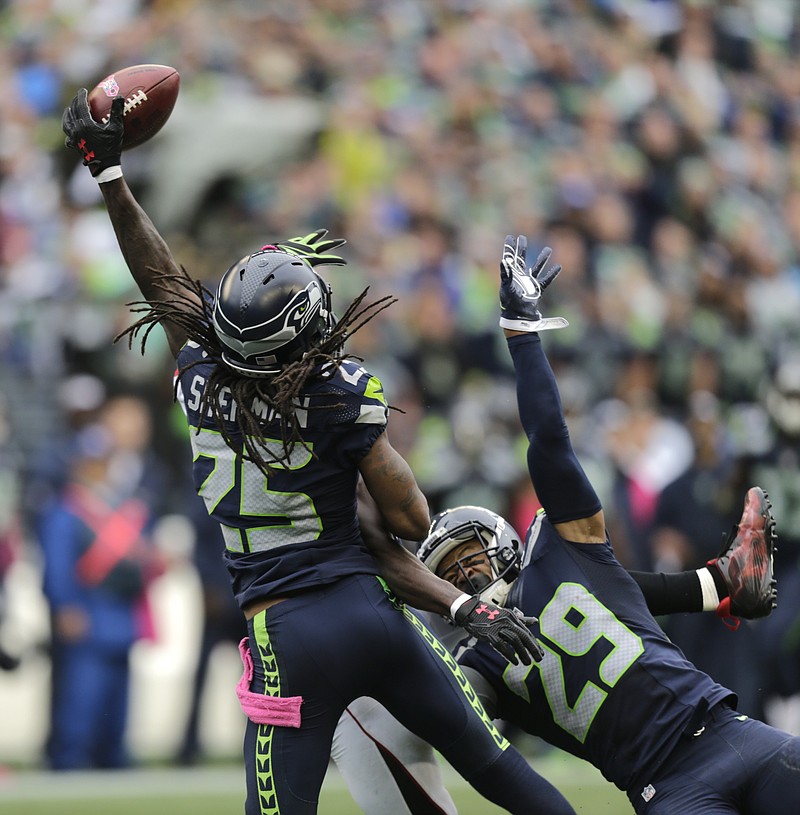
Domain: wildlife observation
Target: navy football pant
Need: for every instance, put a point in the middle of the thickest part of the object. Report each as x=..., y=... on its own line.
x=736, y=765
x=346, y=640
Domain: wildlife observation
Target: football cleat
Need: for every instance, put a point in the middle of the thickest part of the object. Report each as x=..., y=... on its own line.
x=746, y=562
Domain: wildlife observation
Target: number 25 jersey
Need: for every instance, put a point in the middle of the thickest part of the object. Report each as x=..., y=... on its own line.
x=296, y=527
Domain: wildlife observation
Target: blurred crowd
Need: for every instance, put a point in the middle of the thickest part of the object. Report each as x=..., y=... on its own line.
x=654, y=144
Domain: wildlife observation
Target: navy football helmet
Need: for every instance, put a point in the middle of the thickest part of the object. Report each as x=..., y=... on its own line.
x=500, y=545
x=271, y=308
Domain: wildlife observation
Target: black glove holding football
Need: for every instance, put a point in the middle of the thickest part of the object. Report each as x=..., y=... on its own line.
x=99, y=144
x=506, y=631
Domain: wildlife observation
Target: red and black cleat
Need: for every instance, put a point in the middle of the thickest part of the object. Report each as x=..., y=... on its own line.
x=746, y=561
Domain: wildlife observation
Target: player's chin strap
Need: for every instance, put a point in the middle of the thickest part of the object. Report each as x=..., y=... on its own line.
x=496, y=593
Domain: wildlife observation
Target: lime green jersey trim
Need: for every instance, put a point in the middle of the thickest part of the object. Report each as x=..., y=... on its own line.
x=448, y=659
x=374, y=390
x=267, y=799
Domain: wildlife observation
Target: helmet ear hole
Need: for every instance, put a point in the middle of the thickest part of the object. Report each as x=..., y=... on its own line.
x=271, y=309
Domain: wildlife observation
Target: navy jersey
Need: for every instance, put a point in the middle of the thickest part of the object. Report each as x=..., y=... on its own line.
x=611, y=689
x=297, y=527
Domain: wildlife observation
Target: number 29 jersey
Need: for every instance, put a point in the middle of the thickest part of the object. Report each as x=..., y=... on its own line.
x=296, y=527
x=611, y=688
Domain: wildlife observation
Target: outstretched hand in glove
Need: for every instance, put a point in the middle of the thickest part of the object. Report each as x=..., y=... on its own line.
x=100, y=145
x=314, y=248
x=505, y=630
x=521, y=287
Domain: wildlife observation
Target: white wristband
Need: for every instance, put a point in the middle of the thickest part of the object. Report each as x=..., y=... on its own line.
x=709, y=589
x=456, y=605
x=109, y=174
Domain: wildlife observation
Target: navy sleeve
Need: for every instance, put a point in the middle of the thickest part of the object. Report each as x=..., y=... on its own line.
x=560, y=482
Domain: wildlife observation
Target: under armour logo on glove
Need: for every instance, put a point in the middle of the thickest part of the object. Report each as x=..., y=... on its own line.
x=490, y=612
x=88, y=155
x=506, y=631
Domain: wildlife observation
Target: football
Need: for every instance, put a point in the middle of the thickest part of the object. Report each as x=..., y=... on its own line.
x=150, y=93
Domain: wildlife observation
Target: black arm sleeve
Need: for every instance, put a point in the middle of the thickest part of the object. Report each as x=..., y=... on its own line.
x=670, y=593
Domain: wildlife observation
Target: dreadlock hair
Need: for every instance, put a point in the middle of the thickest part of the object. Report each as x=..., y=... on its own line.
x=190, y=307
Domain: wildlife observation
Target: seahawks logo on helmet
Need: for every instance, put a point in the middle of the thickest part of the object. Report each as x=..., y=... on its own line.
x=271, y=309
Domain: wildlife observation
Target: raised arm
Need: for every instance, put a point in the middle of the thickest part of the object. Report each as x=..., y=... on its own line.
x=146, y=253
x=557, y=476
x=148, y=257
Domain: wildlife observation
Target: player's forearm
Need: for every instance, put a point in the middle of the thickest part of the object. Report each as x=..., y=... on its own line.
x=412, y=581
x=406, y=575
x=147, y=255
x=145, y=251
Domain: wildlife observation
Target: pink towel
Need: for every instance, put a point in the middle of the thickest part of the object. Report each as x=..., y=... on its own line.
x=278, y=710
